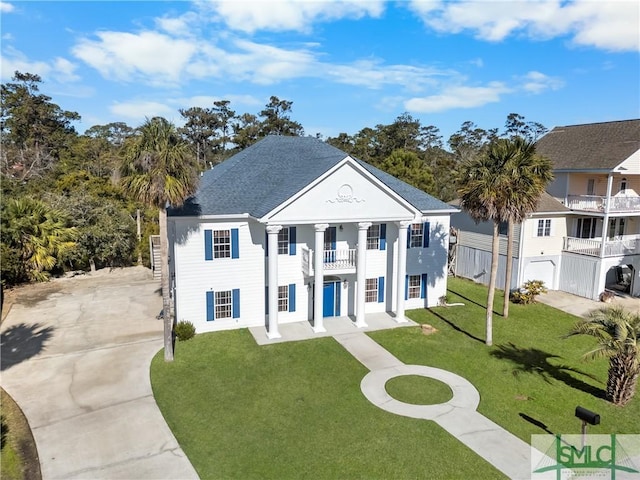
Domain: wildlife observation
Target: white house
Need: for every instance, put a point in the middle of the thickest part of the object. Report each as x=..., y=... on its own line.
x=292, y=229
x=584, y=237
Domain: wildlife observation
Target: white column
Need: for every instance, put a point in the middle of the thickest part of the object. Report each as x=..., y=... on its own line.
x=272, y=245
x=318, y=286
x=361, y=277
x=402, y=270
x=605, y=220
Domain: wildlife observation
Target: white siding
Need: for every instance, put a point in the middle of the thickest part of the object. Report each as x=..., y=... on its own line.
x=194, y=276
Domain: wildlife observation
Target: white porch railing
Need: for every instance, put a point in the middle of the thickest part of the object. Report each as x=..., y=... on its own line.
x=343, y=260
x=625, y=245
x=598, y=203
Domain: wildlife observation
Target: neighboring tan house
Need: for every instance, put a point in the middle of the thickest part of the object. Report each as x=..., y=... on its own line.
x=585, y=235
x=292, y=229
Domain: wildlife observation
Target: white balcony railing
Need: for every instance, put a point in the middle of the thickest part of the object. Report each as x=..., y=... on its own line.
x=624, y=245
x=596, y=203
x=343, y=260
x=340, y=259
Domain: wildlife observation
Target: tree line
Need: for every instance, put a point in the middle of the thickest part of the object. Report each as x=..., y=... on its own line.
x=65, y=207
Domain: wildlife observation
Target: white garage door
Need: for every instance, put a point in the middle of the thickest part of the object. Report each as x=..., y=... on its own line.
x=544, y=270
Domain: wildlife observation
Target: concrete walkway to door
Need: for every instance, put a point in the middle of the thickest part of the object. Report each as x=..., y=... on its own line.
x=75, y=357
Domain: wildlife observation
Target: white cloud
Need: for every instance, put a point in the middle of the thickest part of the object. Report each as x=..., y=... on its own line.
x=141, y=109
x=159, y=58
x=373, y=74
x=183, y=25
x=279, y=15
x=536, y=82
x=11, y=64
x=6, y=7
x=609, y=25
x=457, y=97
x=206, y=101
x=59, y=69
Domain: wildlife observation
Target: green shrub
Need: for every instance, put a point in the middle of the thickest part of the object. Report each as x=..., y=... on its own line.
x=528, y=292
x=184, y=330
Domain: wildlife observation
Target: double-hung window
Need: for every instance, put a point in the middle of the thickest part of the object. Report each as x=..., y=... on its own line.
x=283, y=298
x=416, y=233
x=544, y=228
x=373, y=237
x=414, y=287
x=283, y=241
x=371, y=290
x=221, y=244
x=223, y=304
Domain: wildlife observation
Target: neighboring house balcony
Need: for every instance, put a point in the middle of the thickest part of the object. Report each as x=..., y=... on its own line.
x=619, y=246
x=335, y=261
x=597, y=203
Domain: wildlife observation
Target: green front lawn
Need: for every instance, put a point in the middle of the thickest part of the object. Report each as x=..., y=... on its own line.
x=295, y=410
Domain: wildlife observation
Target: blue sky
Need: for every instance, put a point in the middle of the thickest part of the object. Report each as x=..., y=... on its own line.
x=345, y=65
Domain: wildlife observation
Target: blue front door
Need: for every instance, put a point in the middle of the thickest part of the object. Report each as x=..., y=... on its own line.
x=331, y=299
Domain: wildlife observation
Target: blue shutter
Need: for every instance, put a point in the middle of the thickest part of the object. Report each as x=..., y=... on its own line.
x=380, y=289
x=383, y=236
x=208, y=245
x=292, y=240
x=266, y=300
x=333, y=238
x=337, y=308
x=425, y=235
x=409, y=236
x=235, y=253
x=423, y=286
x=406, y=287
x=235, y=302
x=210, y=311
x=292, y=297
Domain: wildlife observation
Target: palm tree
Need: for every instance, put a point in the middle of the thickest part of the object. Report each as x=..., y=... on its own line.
x=40, y=235
x=483, y=183
x=158, y=169
x=618, y=333
x=530, y=174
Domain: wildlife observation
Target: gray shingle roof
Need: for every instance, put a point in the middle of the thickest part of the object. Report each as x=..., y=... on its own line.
x=594, y=146
x=266, y=174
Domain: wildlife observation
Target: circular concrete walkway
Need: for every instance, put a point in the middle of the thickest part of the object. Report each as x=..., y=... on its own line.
x=458, y=416
x=373, y=384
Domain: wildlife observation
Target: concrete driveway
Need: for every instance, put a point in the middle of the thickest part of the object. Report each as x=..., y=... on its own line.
x=75, y=356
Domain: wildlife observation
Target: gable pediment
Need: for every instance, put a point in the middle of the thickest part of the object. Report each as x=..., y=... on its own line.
x=346, y=193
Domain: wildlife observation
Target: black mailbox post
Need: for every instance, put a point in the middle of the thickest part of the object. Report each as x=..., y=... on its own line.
x=587, y=416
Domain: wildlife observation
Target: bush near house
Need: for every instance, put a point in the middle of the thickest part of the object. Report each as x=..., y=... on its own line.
x=528, y=292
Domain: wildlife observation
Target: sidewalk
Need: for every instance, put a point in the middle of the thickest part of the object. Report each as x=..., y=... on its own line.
x=580, y=306
x=458, y=416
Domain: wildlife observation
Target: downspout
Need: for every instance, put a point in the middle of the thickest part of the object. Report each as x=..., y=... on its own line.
x=520, y=259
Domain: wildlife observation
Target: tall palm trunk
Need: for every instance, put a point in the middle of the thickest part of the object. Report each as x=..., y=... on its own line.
x=492, y=282
x=507, y=277
x=164, y=282
x=622, y=380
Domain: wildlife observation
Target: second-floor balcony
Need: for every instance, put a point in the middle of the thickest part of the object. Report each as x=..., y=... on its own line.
x=597, y=203
x=624, y=245
x=335, y=261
